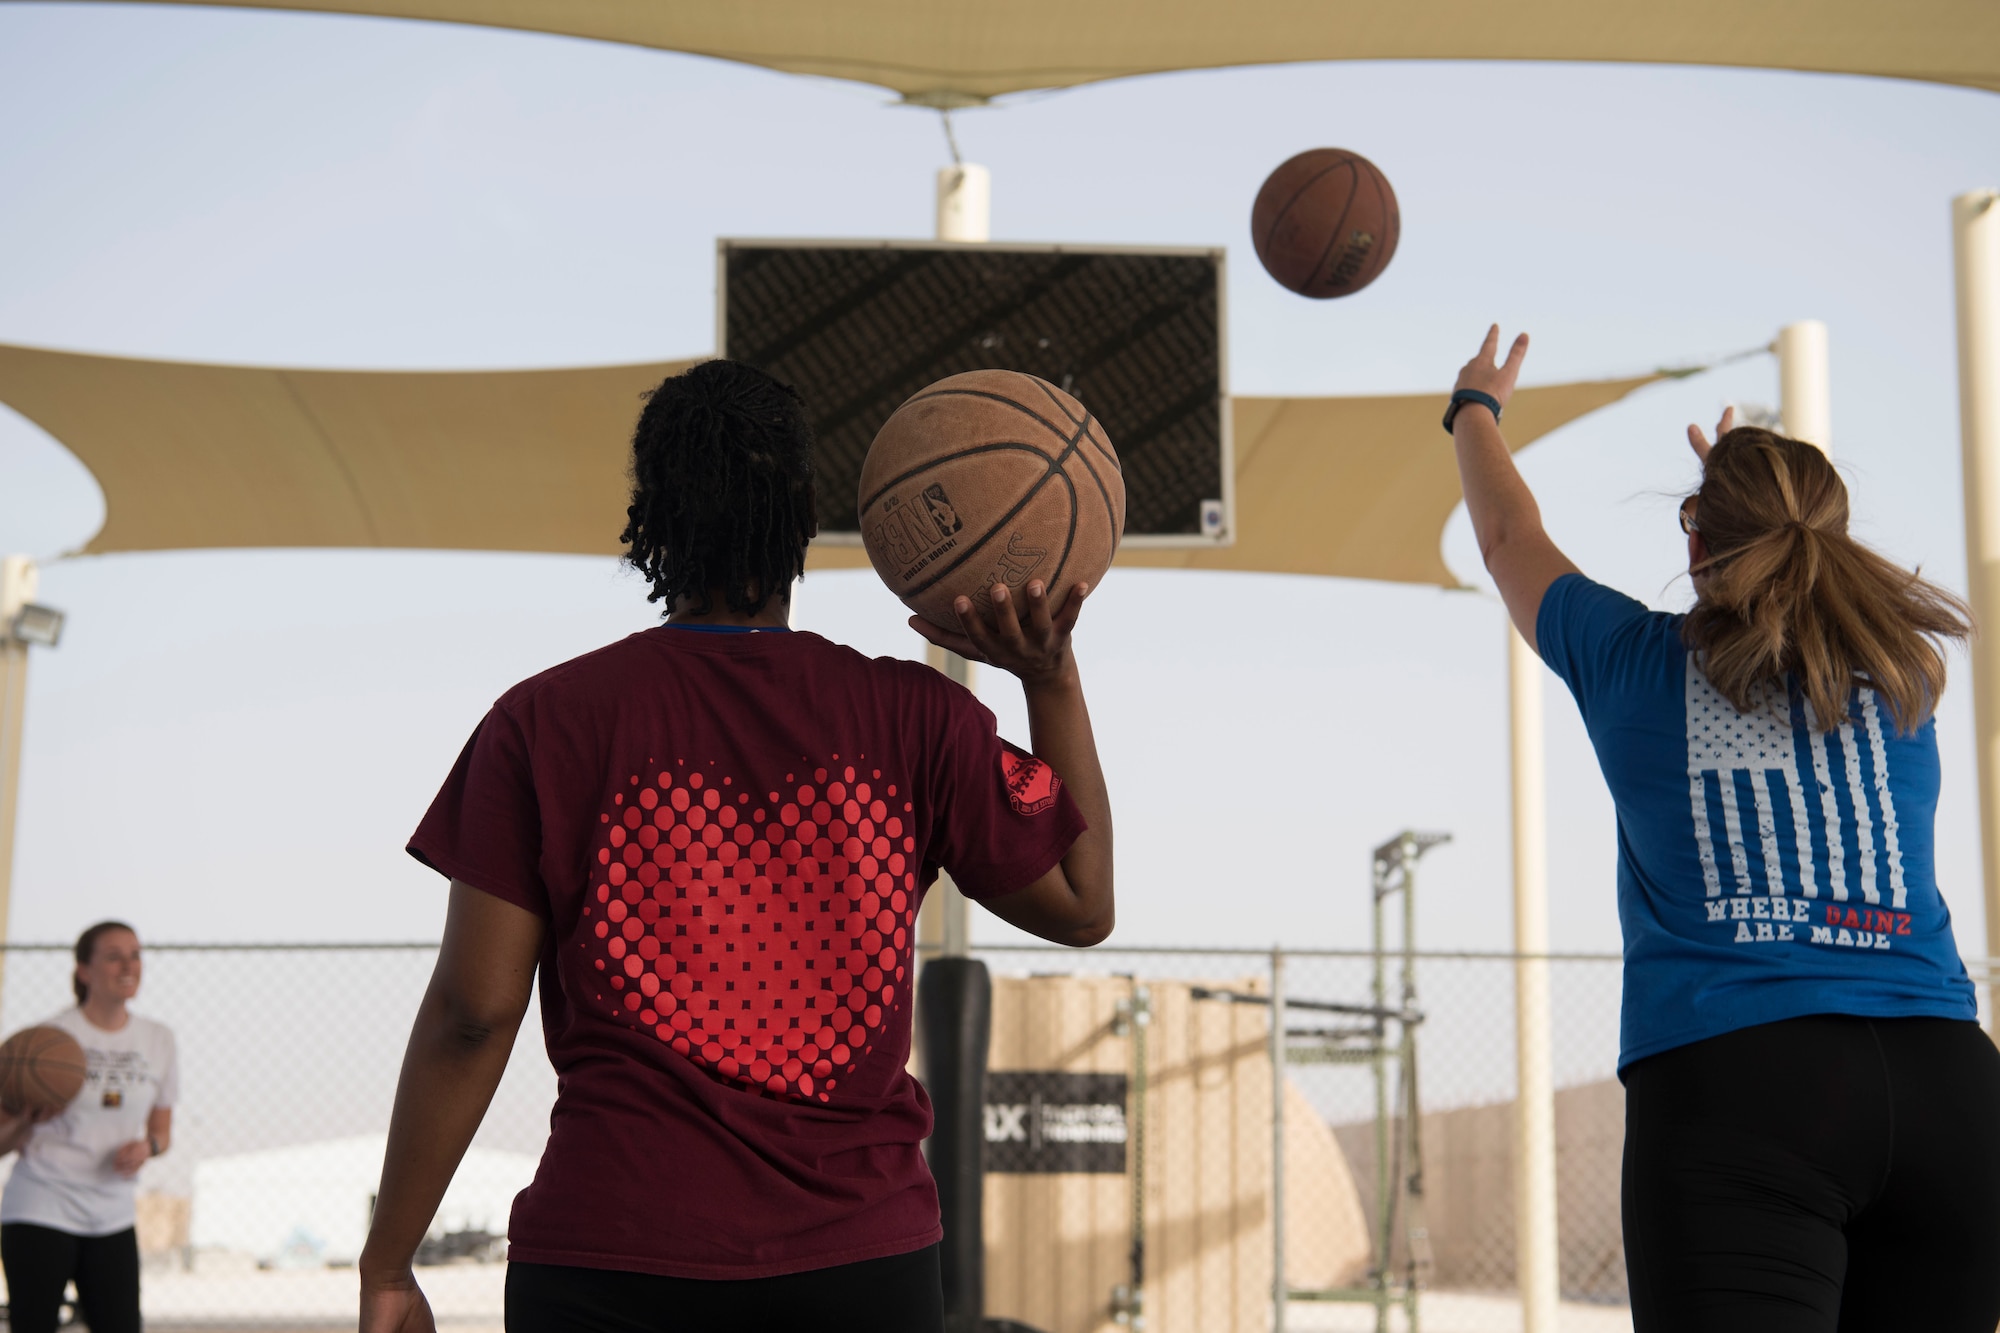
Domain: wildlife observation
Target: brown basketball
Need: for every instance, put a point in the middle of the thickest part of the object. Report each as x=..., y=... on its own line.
x=41, y=1068
x=990, y=477
x=1325, y=223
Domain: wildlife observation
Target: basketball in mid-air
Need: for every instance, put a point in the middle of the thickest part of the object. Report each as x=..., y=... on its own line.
x=41, y=1069
x=989, y=477
x=1325, y=223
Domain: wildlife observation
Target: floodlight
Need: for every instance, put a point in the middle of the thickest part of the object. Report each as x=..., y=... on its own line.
x=38, y=624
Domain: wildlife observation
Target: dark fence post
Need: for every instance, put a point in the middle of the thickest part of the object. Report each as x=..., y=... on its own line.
x=955, y=1019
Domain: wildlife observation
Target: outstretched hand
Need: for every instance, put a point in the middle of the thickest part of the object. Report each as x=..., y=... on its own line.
x=1700, y=443
x=1483, y=374
x=1035, y=649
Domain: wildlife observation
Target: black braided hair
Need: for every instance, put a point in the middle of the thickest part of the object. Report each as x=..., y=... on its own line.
x=722, y=488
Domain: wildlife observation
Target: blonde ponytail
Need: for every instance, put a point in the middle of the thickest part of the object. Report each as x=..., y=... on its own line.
x=1785, y=591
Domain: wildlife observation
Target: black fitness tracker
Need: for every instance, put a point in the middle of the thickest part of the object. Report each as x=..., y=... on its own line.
x=1461, y=397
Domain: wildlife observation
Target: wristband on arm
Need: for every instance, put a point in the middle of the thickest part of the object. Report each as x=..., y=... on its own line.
x=1461, y=397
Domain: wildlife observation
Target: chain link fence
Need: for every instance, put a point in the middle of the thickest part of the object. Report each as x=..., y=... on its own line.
x=1132, y=1123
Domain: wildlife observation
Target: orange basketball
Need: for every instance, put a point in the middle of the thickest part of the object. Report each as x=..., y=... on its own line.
x=990, y=477
x=1325, y=223
x=41, y=1068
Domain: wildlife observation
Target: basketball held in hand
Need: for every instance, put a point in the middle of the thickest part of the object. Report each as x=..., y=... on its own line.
x=41, y=1069
x=989, y=477
x=1325, y=223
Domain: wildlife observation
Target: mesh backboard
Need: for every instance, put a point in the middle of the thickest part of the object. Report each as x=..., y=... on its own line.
x=1135, y=335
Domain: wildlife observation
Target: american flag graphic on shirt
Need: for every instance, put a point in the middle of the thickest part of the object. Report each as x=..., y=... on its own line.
x=1766, y=782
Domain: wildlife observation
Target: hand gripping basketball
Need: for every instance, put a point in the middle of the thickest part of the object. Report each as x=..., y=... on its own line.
x=1036, y=650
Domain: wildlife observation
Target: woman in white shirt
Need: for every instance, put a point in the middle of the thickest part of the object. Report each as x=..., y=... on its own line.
x=68, y=1210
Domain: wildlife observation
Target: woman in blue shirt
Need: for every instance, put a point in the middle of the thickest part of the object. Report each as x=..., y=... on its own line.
x=1812, y=1132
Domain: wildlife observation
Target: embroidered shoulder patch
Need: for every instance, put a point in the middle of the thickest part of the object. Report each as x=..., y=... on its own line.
x=1031, y=784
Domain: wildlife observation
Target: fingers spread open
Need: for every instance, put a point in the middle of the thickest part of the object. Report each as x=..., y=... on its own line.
x=1006, y=619
x=945, y=639
x=976, y=629
x=1038, y=610
x=1072, y=607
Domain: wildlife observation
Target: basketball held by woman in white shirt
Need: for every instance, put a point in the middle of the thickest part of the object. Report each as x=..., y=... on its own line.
x=69, y=1210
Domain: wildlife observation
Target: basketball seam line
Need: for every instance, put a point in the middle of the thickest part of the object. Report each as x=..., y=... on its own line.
x=992, y=447
x=1110, y=457
x=1061, y=433
x=1338, y=227
x=1297, y=194
x=1054, y=470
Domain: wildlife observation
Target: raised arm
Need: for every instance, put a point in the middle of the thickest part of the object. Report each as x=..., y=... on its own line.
x=1505, y=518
x=458, y=1049
x=1072, y=903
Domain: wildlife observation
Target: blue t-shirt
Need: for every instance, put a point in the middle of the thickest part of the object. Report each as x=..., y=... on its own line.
x=1765, y=870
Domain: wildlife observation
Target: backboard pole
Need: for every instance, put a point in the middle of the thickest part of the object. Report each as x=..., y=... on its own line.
x=1975, y=227
x=964, y=212
x=964, y=203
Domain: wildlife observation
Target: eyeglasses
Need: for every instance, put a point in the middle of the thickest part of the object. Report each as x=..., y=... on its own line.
x=1688, y=525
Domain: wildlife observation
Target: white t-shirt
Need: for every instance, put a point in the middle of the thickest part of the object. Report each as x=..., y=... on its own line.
x=65, y=1178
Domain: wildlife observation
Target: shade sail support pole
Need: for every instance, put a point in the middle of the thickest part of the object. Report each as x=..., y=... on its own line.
x=1535, y=1252
x=18, y=580
x=1805, y=397
x=1975, y=230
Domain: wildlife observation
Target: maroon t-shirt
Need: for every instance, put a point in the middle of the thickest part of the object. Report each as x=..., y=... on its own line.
x=729, y=835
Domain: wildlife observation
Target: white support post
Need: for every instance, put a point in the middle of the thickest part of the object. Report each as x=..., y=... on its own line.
x=1975, y=228
x=964, y=203
x=1535, y=1253
x=964, y=210
x=944, y=921
x=18, y=579
x=1280, y=1291
x=1805, y=398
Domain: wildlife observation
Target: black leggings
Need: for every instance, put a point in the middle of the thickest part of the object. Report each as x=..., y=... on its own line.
x=1815, y=1175
x=41, y=1261
x=900, y=1294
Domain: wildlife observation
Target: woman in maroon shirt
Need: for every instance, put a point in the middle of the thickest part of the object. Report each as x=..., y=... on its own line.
x=709, y=841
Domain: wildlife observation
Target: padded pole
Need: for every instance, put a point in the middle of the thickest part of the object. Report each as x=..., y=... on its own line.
x=954, y=1027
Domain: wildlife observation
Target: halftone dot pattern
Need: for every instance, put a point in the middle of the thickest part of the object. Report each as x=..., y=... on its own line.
x=767, y=938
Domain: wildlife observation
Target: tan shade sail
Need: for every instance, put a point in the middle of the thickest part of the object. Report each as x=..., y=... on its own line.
x=1361, y=487
x=202, y=456
x=953, y=51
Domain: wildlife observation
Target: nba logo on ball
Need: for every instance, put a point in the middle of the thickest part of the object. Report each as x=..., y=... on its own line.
x=989, y=478
x=942, y=513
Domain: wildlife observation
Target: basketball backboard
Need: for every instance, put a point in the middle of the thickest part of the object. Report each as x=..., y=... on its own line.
x=1135, y=334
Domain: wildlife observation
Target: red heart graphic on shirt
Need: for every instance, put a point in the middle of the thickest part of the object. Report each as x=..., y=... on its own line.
x=767, y=940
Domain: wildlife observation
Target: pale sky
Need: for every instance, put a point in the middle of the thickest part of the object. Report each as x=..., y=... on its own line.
x=235, y=745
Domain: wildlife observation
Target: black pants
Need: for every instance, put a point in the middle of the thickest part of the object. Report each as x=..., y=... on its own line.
x=900, y=1294
x=41, y=1261
x=1815, y=1175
